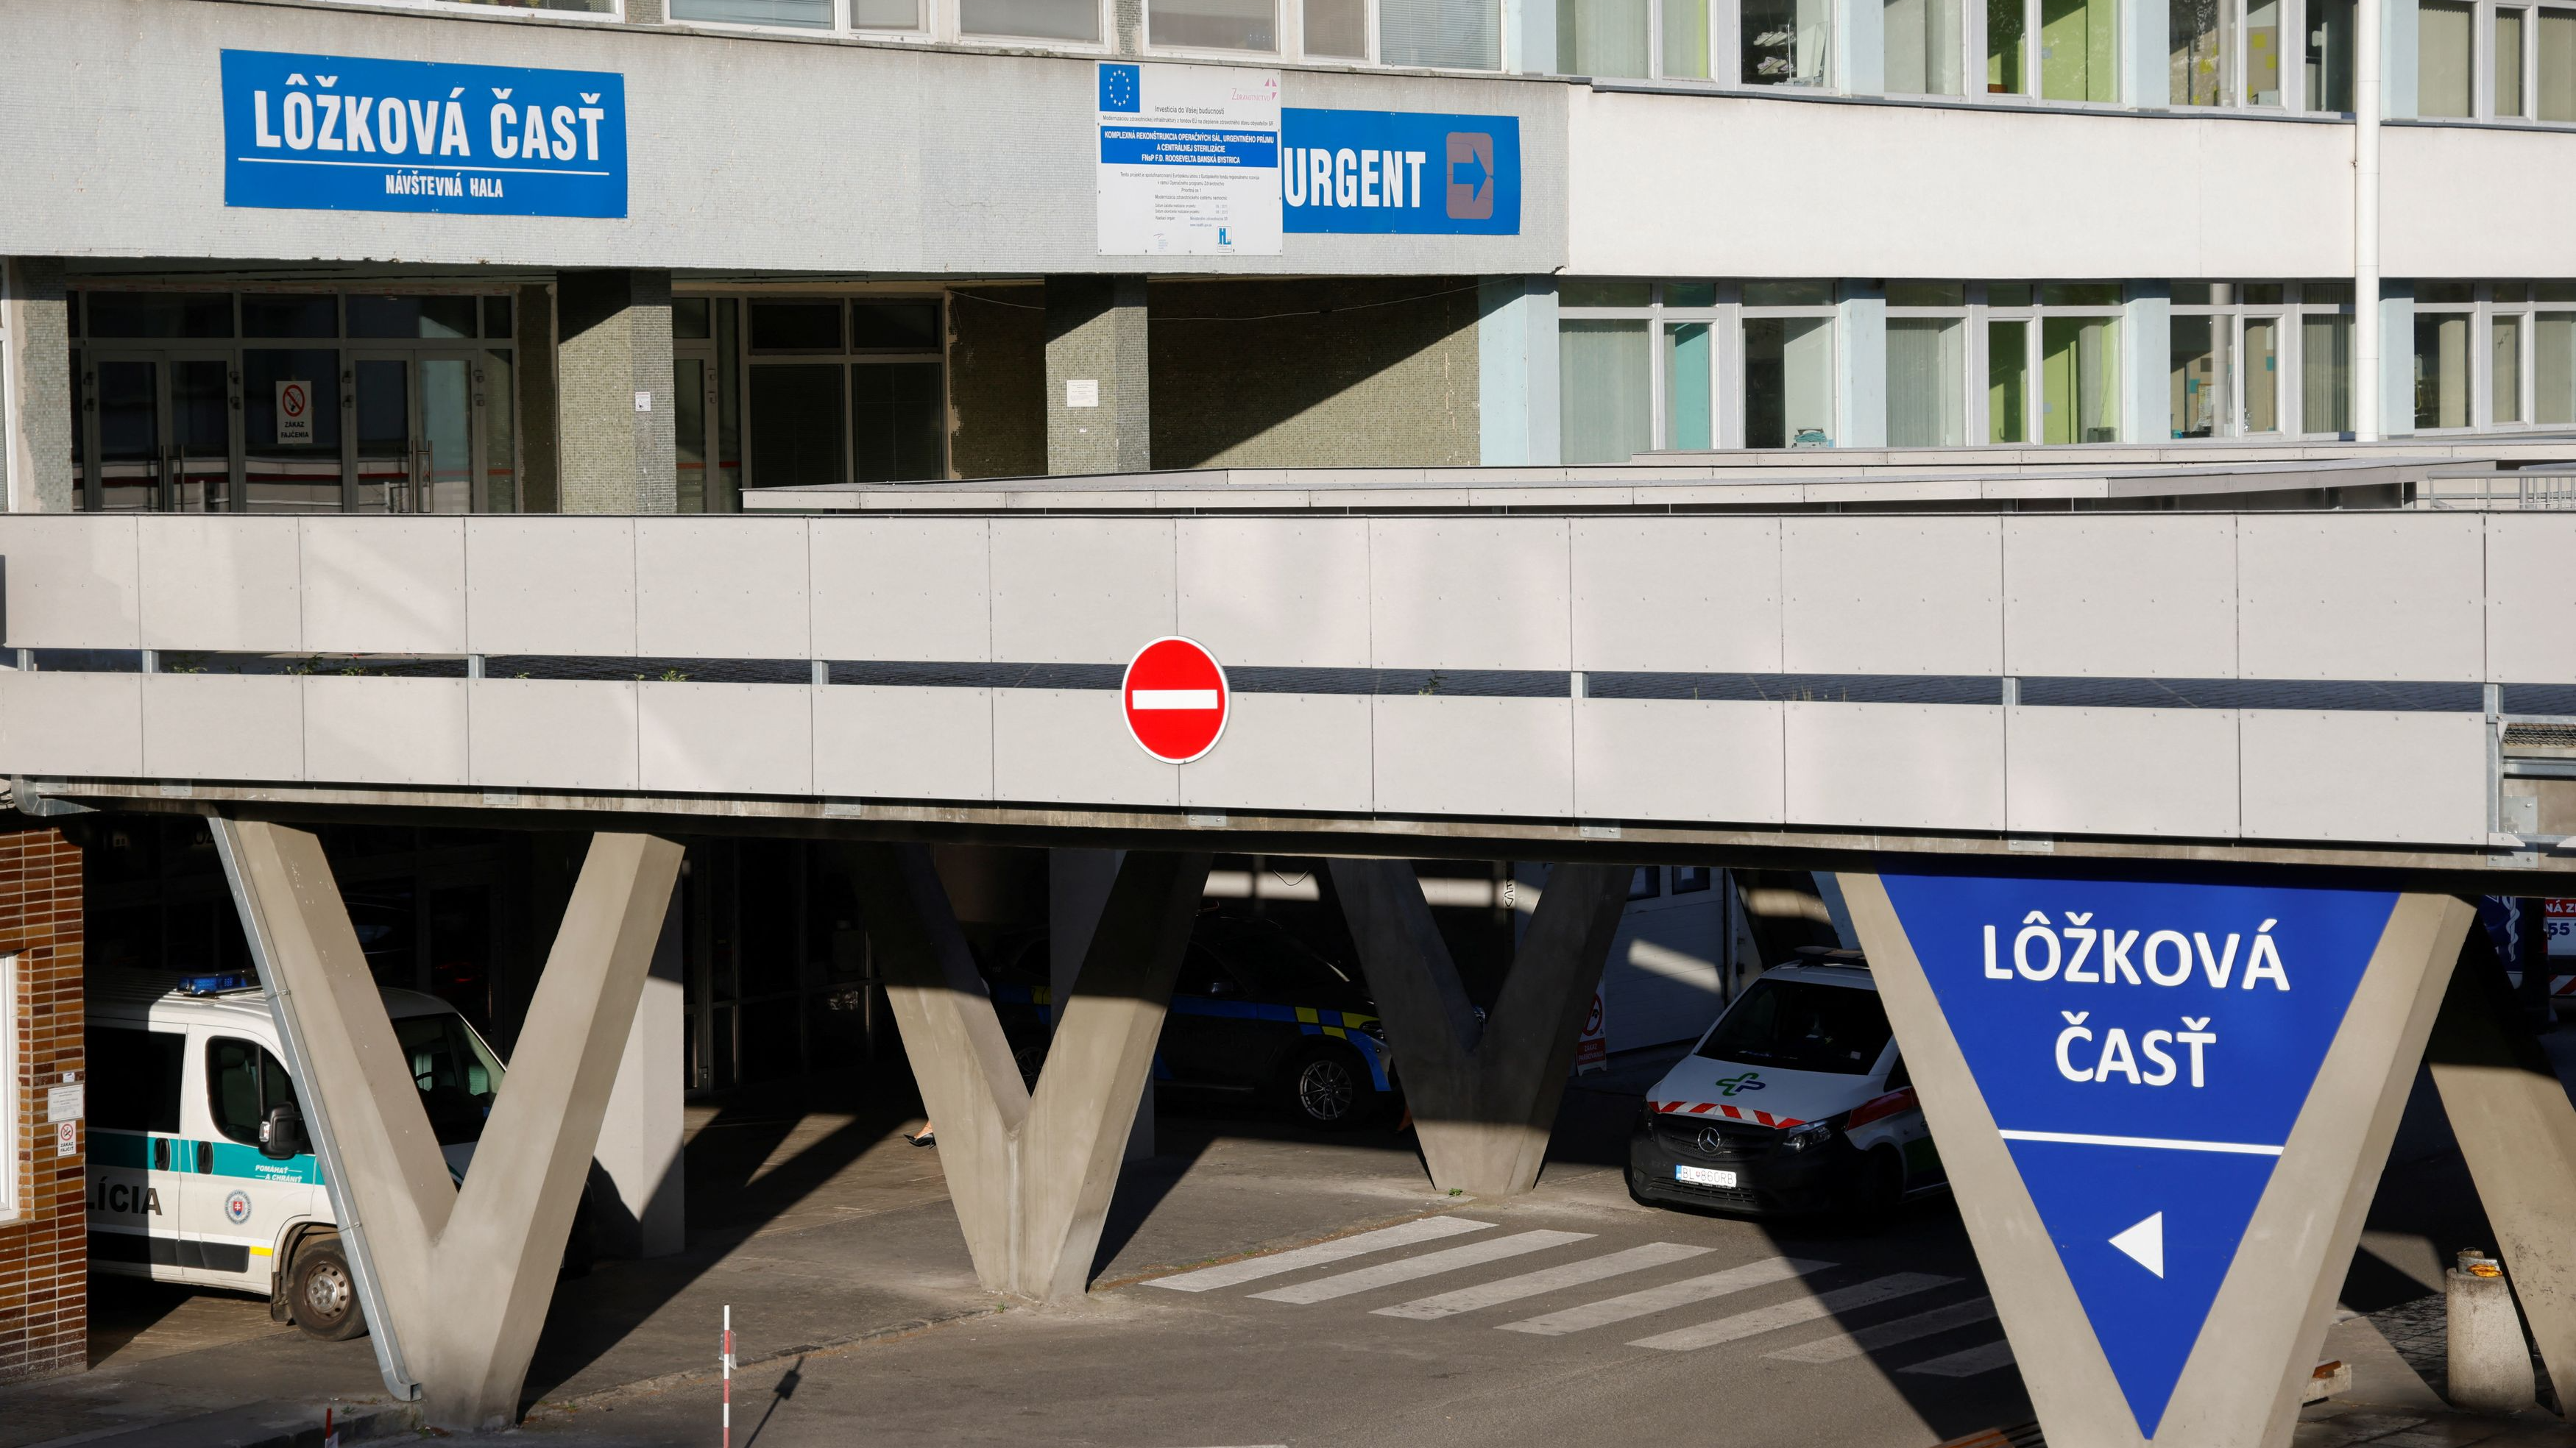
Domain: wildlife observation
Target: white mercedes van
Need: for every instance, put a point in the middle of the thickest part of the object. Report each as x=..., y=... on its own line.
x=1795, y=1101
x=199, y=1168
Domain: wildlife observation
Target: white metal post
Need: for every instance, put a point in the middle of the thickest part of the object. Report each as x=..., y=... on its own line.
x=2367, y=342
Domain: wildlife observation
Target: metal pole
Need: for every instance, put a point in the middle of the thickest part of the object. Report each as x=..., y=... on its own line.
x=728, y=1375
x=2367, y=343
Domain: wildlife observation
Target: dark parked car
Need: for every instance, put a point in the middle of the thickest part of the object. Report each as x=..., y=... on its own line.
x=1255, y=1015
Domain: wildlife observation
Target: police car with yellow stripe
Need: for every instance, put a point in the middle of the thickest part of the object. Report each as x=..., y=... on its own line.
x=1256, y=1016
x=200, y=1171
x=1794, y=1101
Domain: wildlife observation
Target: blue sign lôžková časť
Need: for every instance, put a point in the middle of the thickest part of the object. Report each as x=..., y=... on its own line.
x=2144, y=1049
x=348, y=133
x=1400, y=173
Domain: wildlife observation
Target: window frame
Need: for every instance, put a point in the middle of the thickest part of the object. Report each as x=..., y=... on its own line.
x=1973, y=351
x=2233, y=313
x=1659, y=314
x=2475, y=311
x=615, y=14
x=1280, y=47
x=845, y=357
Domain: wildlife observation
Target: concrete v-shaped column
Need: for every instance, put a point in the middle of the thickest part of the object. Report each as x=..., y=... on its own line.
x=456, y=1280
x=1031, y=1177
x=1483, y=1095
x=2514, y=1123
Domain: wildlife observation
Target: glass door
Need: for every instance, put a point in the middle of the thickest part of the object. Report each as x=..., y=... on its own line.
x=291, y=429
x=202, y=408
x=127, y=413
x=414, y=420
x=387, y=479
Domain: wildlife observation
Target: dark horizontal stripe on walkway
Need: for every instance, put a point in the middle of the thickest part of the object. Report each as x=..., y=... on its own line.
x=1941, y=689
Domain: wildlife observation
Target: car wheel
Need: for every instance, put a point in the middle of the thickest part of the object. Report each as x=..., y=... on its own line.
x=1886, y=1185
x=1329, y=1089
x=323, y=1294
x=1030, y=1057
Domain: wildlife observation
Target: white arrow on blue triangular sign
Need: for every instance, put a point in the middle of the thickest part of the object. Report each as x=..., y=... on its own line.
x=2144, y=1049
x=2145, y=1243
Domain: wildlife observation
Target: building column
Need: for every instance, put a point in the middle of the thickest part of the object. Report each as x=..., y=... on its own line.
x=2146, y=360
x=645, y=1211
x=455, y=1280
x=1483, y=1093
x=1516, y=379
x=2515, y=1126
x=1099, y=398
x=1078, y=884
x=613, y=388
x=2396, y=355
x=1860, y=396
x=36, y=386
x=1030, y=1174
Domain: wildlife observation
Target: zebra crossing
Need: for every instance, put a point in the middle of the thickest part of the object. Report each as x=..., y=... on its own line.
x=1903, y=1292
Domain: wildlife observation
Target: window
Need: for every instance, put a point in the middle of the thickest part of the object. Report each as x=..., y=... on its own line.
x=243, y=1084
x=1213, y=24
x=2324, y=312
x=2197, y=36
x=1645, y=882
x=1076, y=20
x=2229, y=359
x=2080, y=362
x=1924, y=46
x=1786, y=42
x=1337, y=28
x=1632, y=38
x=1927, y=364
x=134, y=1079
x=2554, y=65
x=2445, y=58
x=837, y=390
x=2553, y=353
x=1636, y=368
x=802, y=14
x=1442, y=34
x=2007, y=57
x=1798, y=1025
x=2508, y=51
x=2078, y=48
x=586, y=7
x=457, y=1074
x=2445, y=315
x=2327, y=74
x=1788, y=364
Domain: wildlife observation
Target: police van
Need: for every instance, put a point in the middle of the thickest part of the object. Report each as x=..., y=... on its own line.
x=1794, y=1101
x=200, y=1171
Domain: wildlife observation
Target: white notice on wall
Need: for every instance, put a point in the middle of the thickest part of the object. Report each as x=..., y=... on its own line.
x=64, y=1103
x=1189, y=161
x=1082, y=392
x=294, y=412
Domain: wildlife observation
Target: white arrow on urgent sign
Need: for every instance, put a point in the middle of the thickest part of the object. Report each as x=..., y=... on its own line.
x=1176, y=699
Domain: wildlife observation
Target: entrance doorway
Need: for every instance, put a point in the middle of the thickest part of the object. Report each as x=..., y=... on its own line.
x=294, y=402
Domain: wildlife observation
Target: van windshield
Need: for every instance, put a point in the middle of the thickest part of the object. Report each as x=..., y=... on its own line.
x=1799, y=1025
x=456, y=1073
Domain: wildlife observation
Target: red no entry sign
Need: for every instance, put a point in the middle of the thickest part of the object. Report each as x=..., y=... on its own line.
x=1176, y=699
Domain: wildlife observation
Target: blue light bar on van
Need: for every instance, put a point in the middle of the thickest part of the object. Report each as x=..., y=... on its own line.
x=217, y=984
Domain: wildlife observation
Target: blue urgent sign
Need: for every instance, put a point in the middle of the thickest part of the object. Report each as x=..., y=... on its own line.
x=1400, y=172
x=347, y=133
x=2144, y=1048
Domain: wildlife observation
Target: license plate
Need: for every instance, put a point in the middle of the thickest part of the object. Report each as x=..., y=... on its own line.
x=1704, y=1176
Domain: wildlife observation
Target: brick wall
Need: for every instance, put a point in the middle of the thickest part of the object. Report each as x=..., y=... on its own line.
x=44, y=1248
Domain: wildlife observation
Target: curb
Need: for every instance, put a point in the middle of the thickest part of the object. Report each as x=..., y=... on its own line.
x=685, y=1377
x=276, y=1423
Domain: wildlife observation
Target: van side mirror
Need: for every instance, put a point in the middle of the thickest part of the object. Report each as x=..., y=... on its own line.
x=282, y=1135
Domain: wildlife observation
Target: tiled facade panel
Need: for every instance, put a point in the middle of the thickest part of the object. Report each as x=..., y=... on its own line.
x=44, y=1245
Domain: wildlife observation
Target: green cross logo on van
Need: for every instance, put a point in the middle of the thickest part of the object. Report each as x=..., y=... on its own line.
x=1749, y=1081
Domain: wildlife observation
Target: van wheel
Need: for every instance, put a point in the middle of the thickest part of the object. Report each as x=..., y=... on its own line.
x=323, y=1294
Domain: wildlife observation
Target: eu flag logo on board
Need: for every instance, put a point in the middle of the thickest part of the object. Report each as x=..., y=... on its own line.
x=1118, y=88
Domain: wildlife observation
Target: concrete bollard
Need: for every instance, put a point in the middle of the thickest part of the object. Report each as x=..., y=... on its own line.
x=2490, y=1362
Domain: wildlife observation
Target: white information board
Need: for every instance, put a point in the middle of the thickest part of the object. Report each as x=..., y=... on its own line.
x=1189, y=161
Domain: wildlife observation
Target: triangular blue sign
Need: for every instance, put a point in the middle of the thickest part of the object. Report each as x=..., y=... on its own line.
x=2144, y=1048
